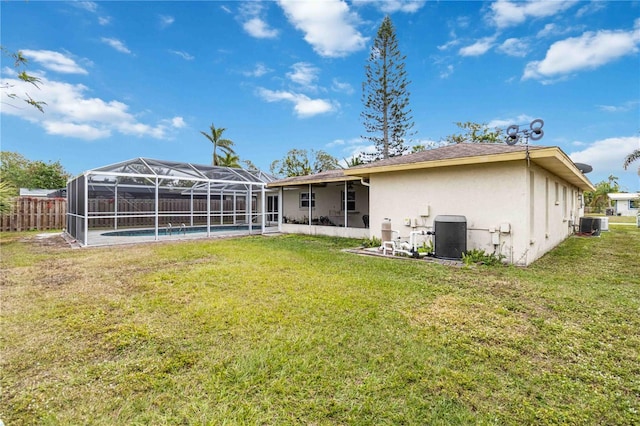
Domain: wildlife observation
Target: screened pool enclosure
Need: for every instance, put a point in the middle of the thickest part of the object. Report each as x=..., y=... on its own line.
x=150, y=200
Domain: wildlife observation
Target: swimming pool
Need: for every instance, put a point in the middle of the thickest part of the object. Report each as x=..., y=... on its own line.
x=150, y=232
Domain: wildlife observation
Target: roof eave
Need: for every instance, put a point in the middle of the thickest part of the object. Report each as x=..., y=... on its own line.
x=552, y=159
x=311, y=181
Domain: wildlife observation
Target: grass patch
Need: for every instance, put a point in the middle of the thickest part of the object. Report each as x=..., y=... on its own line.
x=616, y=219
x=291, y=330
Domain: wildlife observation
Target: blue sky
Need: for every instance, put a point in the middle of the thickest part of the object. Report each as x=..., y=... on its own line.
x=142, y=79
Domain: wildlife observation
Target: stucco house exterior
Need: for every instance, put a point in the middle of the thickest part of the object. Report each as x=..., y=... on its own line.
x=626, y=204
x=519, y=201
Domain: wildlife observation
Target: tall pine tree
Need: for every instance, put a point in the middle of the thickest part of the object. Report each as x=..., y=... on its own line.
x=386, y=116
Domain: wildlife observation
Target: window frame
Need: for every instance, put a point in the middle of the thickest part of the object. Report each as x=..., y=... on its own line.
x=304, y=200
x=351, y=200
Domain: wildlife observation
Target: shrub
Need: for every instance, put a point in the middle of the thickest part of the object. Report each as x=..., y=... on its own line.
x=480, y=257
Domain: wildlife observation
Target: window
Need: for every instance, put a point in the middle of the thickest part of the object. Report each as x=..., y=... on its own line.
x=351, y=200
x=304, y=200
x=634, y=204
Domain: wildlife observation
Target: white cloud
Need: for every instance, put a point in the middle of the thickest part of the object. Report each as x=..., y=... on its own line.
x=548, y=29
x=225, y=9
x=69, y=112
x=258, y=28
x=253, y=22
x=590, y=50
x=178, y=122
x=505, y=13
x=304, y=74
x=104, y=20
x=72, y=130
x=166, y=20
x=259, y=70
x=627, y=106
x=478, y=48
x=328, y=26
x=447, y=71
x=351, y=148
x=606, y=156
x=182, y=54
x=116, y=44
x=503, y=123
x=447, y=45
x=592, y=7
x=514, y=47
x=89, y=6
x=391, y=6
x=342, y=87
x=54, y=61
x=303, y=105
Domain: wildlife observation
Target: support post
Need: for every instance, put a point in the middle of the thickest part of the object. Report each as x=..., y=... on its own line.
x=280, y=212
x=208, y=209
x=310, y=211
x=115, y=207
x=264, y=208
x=346, y=196
x=157, y=219
x=86, y=210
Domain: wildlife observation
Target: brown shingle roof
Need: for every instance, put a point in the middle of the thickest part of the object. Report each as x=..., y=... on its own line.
x=550, y=158
x=448, y=152
x=327, y=176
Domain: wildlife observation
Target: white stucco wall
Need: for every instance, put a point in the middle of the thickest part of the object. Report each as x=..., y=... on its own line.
x=332, y=231
x=488, y=196
x=623, y=209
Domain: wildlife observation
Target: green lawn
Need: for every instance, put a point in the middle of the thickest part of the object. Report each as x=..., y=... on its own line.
x=291, y=330
x=616, y=219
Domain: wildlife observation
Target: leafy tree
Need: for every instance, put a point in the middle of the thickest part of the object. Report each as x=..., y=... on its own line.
x=298, y=163
x=475, y=133
x=248, y=164
x=229, y=160
x=224, y=145
x=19, y=61
x=599, y=198
x=7, y=193
x=18, y=172
x=634, y=156
x=386, y=116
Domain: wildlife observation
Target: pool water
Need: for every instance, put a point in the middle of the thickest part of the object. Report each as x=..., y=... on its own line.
x=175, y=231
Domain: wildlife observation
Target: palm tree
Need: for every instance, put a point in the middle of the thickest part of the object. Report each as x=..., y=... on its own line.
x=635, y=155
x=215, y=137
x=229, y=160
x=356, y=160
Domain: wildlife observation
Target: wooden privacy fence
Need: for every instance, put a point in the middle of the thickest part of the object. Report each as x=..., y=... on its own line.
x=35, y=214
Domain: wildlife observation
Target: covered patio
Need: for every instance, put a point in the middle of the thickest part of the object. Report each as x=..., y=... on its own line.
x=326, y=203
